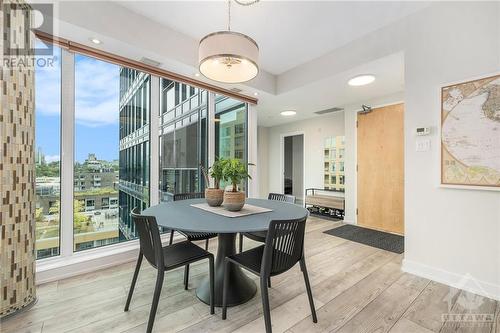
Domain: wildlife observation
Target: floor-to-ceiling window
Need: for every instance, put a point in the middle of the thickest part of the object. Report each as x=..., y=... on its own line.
x=231, y=130
x=105, y=126
x=111, y=169
x=47, y=155
x=183, y=138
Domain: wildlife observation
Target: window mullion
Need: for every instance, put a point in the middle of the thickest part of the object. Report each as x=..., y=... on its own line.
x=154, y=176
x=211, y=127
x=67, y=150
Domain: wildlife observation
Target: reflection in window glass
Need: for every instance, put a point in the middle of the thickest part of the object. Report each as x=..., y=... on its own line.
x=47, y=155
x=111, y=171
x=334, y=157
x=183, y=139
x=231, y=130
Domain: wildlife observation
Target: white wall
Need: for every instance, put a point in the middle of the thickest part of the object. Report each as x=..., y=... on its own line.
x=315, y=131
x=262, y=161
x=450, y=233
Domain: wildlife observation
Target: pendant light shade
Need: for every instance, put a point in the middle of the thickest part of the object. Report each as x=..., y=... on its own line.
x=228, y=57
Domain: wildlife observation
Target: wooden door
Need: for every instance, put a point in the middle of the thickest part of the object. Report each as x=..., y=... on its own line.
x=381, y=169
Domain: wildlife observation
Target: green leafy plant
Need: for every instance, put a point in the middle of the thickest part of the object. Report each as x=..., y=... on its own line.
x=216, y=171
x=235, y=171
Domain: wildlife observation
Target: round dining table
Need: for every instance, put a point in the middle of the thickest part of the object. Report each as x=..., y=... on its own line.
x=181, y=215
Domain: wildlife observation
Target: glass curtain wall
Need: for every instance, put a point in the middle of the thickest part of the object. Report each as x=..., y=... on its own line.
x=47, y=155
x=182, y=139
x=111, y=173
x=231, y=130
x=112, y=148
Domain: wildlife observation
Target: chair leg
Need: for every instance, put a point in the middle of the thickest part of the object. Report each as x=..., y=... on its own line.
x=269, y=282
x=186, y=277
x=265, y=304
x=206, y=245
x=156, y=298
x=224, y=289
x=241, y=243
x=308, y=288
x=171, y=237
x=212, y=292
x=134, y=280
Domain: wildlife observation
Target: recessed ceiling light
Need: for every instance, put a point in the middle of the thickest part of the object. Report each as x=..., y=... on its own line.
x=196, y=74
x=288, y=113
x=361, y=80
x=256, y=94
x=95, y=41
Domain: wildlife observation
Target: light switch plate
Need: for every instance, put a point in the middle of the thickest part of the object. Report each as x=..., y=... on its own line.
x=423, y=145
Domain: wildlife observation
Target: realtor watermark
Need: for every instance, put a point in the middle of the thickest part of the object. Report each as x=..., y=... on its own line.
x=467, y=309
x=21, y=48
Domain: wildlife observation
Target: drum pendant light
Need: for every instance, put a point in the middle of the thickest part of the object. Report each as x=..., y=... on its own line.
x=228, y=56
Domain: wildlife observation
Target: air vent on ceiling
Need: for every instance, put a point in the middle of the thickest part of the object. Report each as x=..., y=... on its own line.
x=236, y=90
x=150, y=62
x=336, y=109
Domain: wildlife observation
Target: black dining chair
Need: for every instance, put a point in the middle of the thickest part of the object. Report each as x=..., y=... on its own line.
x=284, y=247
x=260, y=236
x=164, y=259
x=191, y=236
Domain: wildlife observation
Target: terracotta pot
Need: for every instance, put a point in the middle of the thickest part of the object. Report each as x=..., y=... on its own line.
x=214, y=196
x=234, y=201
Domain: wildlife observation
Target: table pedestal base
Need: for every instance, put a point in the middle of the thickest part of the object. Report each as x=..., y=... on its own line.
x=240, y=288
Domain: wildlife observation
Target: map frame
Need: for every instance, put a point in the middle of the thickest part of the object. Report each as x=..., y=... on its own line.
x=472, y=186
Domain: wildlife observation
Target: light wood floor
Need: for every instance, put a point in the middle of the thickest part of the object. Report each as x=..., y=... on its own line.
x=356, y=288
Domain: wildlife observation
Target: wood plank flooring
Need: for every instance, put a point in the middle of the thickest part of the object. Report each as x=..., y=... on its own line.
x=356, y=288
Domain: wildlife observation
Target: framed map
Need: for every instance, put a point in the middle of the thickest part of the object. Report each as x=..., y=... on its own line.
x=470, y=133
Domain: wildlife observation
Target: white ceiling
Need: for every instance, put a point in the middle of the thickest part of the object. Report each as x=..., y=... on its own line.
x=289, y=33
x=312, y=48
x=334, y=91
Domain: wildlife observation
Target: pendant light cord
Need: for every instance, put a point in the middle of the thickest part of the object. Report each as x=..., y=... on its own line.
x=228, y=15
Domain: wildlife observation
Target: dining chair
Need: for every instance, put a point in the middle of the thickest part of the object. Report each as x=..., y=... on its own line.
x=284, y=247
x=191, y=236
x=164, y=259
x=260, y=236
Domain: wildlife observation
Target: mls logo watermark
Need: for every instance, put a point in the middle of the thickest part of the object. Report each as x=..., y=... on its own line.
x=466, y=309
x=20, y=46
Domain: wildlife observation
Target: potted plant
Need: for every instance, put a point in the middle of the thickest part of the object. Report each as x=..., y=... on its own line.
x=214, y=195
x=234, y=171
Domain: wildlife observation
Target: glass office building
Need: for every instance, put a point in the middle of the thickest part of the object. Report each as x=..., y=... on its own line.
x=183, y=138
x=134, y=146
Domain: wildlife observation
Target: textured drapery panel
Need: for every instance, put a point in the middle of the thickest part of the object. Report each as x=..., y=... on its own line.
x=17, y=178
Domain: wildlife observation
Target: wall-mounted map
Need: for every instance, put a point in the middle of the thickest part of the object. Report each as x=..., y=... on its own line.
x=470, y=133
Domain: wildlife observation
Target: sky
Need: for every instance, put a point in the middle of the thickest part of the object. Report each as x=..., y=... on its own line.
x=97, y=85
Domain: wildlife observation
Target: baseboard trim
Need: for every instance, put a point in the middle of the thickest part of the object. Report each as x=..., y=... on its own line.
x=465, y=282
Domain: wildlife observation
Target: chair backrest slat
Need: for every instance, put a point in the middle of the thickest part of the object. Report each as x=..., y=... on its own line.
x=186, y=196
x=281, y=197
x=284, y=245
x=149, y=237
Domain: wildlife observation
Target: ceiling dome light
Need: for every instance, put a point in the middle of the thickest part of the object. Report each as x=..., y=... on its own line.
x=95, y=40
x=288, y=113
x=228, y=56
x=361, y=80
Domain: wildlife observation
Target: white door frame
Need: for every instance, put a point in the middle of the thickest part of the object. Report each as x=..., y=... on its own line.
x=282, y=160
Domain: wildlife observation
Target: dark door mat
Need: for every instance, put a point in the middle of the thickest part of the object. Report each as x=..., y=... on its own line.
x=379, y=239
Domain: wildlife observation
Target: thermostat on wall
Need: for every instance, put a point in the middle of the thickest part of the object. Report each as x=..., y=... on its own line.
x=423, y=131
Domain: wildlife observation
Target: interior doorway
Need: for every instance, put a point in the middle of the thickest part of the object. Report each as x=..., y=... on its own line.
x=293, y=166
x=380, y=158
